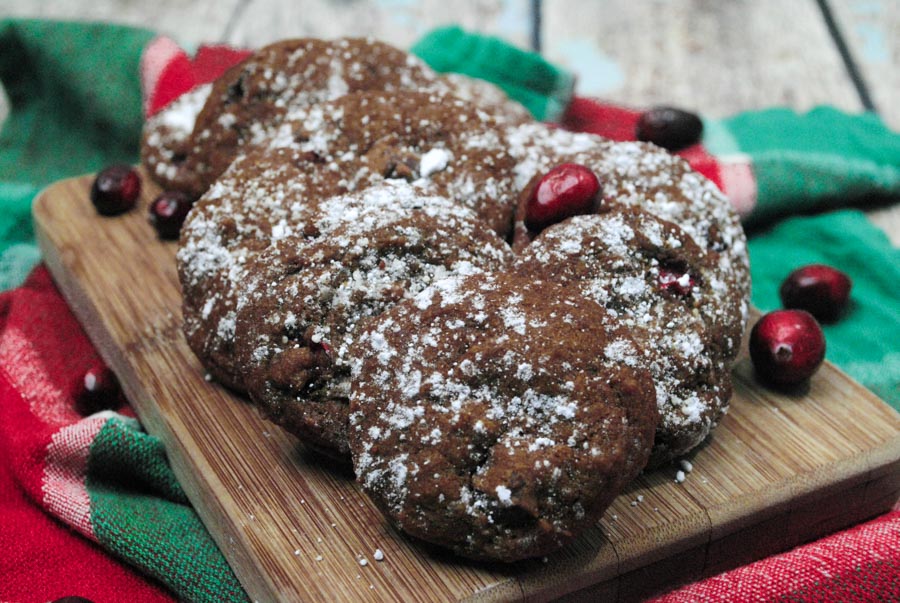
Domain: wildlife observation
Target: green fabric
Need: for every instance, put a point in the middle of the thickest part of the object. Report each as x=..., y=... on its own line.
x=825, y=158
x=543, y=88
x=75, y=106
x=140, y=513
x=866, y=341
x=18, y=253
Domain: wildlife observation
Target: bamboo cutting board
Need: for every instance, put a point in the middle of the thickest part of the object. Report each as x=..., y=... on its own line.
x=780, y=469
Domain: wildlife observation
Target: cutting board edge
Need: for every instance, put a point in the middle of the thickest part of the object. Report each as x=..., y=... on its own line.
x=183, y=466
x=94, y=325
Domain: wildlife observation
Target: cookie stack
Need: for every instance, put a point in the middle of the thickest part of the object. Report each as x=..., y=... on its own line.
x=358, y=262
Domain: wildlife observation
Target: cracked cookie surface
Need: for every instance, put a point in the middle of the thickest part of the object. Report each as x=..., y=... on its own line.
x=684, y=307
x=306, y=299
x=447, y=148
x=487, y=415
x=191, y=142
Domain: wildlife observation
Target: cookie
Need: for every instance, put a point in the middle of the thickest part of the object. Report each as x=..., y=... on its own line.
x=252, y=97
x=455, y=146
x=631, y=174
x=684, y=305
x=486, y=96
x=488, y=415
x=166, y=137
x=307, y=298
x=237, y=218
x=447, y=147
x=190, y=143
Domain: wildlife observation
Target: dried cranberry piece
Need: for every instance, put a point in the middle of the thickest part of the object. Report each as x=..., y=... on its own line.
x=676, y=281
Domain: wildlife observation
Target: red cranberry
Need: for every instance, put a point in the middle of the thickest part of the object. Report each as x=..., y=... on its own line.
x=787, y=346
x=321, y=346
x=98, y=389
x=566, y=190
x=821, y=290
x=670, y=128
x=115, y=190
x=677, y=281
x=167, y=213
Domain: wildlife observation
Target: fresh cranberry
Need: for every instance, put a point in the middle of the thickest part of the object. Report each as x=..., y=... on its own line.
x=115, y=190
x=167, y=213
x=821, y=290
x=566, y=190
x=670, y=128
x=787, y=346
x=677, y=281
x=98, y=389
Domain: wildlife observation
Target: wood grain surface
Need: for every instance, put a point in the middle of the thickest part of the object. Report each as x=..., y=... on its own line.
x=716, y=58
x=871, y=31
x=780, y=470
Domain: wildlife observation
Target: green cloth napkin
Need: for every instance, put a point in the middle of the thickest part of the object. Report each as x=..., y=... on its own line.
x=806, y=162
x=543, y=88
x=866, y=341
x=75, y=106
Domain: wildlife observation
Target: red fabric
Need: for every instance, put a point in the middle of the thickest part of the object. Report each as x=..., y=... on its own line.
x=212, y=61
x=43, y=356
x=44, y=560
x=856, y=565
x=44, y=348
x=167, y=72
x=176, y=78
x=619, y=123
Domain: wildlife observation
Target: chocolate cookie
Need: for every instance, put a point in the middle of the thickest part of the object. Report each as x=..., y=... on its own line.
x=447, y=147
x=684, y=305
x=631, y=174
x=166, y=137
x=452, y=144
x=190, y=143
x=251, y=98
x=305, y=299
x=247, y=209
x=492, y=415
x=486, y=96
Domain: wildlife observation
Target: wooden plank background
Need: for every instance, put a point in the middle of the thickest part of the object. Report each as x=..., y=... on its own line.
x=714, y=57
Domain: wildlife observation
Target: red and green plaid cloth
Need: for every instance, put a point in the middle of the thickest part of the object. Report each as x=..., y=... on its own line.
x=88, y=503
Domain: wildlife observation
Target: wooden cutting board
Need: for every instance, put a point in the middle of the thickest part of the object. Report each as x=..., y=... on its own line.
x=779, y=470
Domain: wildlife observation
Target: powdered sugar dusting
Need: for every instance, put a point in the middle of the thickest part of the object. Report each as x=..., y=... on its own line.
x=617, y=259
